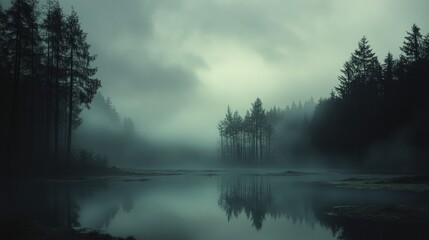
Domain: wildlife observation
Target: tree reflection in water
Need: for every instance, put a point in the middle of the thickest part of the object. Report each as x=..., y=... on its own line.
x=251, y=194
x=259, y=197
x=56, y=203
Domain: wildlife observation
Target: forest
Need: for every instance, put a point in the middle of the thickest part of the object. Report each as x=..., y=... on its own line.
x=377, y=104
x=377, y=111
x=125, y=120
x=47, y=74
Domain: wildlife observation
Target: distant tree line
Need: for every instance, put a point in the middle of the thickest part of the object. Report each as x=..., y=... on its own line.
x=108, y=135
x=47, y=78
x=246, y=139
x=291, y=138
x=375, y=102
x=263, y=135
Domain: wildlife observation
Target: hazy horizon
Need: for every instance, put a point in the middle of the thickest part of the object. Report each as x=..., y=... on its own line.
x=175, y=66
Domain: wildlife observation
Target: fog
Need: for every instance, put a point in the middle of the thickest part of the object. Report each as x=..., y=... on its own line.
x=173, y=67
x=217, y=119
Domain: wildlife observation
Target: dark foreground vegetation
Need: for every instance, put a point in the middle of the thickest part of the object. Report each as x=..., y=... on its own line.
x=377, y=222
x=377, y=117
x=84, y=165
x=47, y=78
x=22, y=228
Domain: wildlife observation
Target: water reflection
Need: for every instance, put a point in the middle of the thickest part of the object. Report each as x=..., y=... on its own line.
x=51, y=204
x=251, y=194
x=191, y=207
x=261, y=198
x=57, y=204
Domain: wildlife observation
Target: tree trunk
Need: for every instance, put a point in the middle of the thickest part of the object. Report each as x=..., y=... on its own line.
x=70, y=108
x=57, y=103
x=13, y=132
x=48, y=101
x=260, y=145
x=32, y=125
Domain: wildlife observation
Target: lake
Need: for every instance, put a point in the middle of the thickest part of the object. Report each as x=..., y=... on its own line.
x=209, y=205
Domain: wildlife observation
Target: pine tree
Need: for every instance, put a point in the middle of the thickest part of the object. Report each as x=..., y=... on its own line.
x=258, y=116
x=388, y=74
x=225, y=131
x=248, y=132
x=54, y=31
x=361, y=73
x=248, y=138
x=3, y=42
x=16, y=32
x=412, y=48
x=399, y=68
x=237, y=122
x=34, y=57
x=221, y=128
x=33, y=69
x=82, y=86
x=345, y=86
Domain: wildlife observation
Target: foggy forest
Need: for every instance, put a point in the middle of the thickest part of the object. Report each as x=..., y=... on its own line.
x=214, y=119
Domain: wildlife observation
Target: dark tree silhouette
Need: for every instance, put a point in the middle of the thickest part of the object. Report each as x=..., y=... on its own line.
x=246, y=139
x=266, y=136
x=374, y=103
x=46, y=70
x=412, y=47
x=55, y=75
x=388, y=68
x=360, y=74
x=82, y=86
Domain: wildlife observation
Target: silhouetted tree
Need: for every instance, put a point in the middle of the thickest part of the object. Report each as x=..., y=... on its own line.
x=82, y=85
x=412, y=47
x=388, y=68
x=360, y=73
x=3, y=44
x=21, y=53
x=246, y=139
x=58, y=38
x=34, y=66
x=14, y=31
x=376, y=102
x=257, y=114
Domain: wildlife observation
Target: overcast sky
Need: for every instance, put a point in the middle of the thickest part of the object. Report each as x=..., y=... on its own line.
x=173, y=66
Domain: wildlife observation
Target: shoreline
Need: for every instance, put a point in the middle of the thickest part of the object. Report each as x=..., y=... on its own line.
x=25, y=228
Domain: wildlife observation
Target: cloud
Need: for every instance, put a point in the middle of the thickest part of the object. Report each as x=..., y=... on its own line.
x=174, y=66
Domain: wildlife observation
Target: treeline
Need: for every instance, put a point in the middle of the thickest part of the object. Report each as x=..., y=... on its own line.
x=378, y=102
x=265, y=135
x=377, y=115
x=47, y=78
x=104, y=131
x=246, y=139
x=291, y=138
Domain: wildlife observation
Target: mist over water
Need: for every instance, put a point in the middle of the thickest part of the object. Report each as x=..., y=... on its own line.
x=132, y=120
x=231, y=205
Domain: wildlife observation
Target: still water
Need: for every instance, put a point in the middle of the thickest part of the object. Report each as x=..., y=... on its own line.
x=197, y=205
